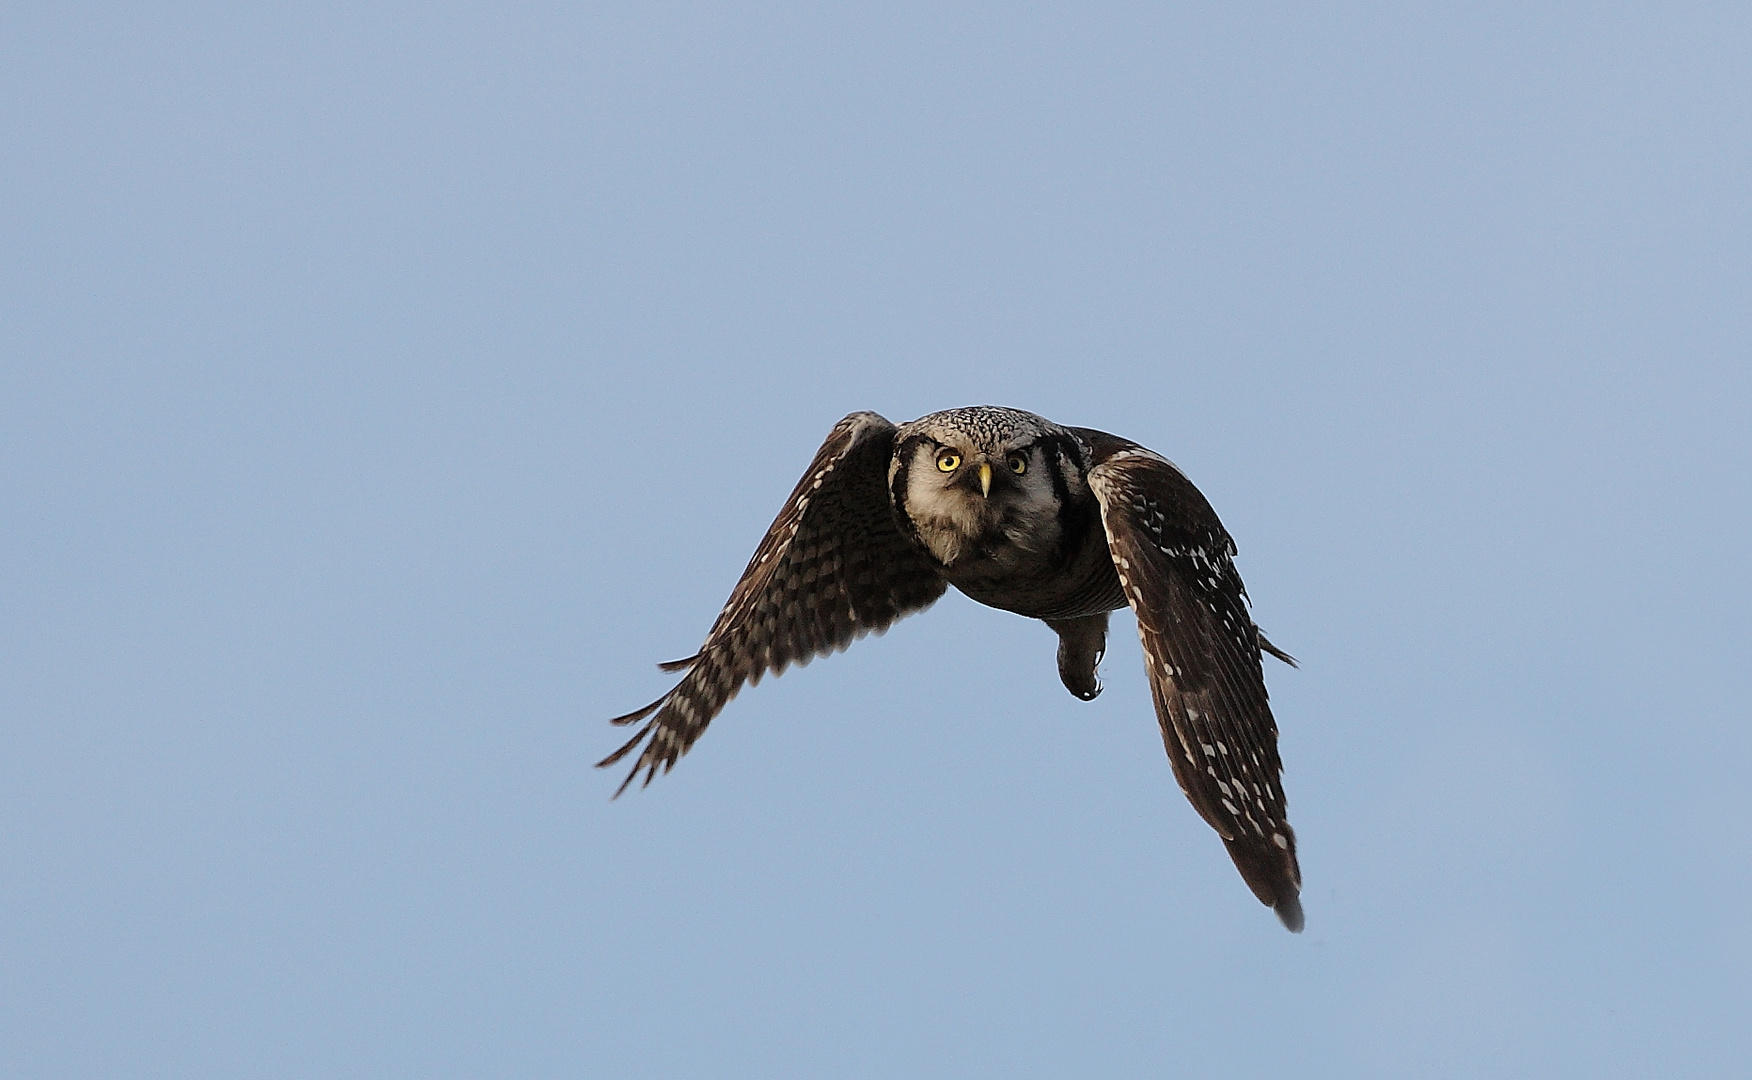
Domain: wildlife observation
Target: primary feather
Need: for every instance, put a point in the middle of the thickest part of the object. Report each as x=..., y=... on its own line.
x=1055, y=523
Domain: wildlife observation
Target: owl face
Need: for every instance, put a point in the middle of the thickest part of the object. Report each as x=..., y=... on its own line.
x=978, y=484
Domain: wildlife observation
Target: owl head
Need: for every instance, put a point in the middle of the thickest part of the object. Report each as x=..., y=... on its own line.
x=975, y=481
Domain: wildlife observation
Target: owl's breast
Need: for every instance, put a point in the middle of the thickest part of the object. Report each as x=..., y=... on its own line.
x=1068, y=578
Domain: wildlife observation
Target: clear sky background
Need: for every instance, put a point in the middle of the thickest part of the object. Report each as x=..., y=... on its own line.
x=385, y=389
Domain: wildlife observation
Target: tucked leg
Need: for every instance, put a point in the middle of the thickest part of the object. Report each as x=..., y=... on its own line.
x=1081, y=645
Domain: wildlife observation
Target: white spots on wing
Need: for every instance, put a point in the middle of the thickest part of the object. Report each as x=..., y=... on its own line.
x=1222, y=787
x=1210, y=751
x=1222, y=749
x=1136, y=452
x=1134, y=594
x=1278, y=839
x=1185, y=747
x=1231, y=808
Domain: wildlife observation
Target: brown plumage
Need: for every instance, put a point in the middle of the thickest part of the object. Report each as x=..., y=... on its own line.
x=1061, y=524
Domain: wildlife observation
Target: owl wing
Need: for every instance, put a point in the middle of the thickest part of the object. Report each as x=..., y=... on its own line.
x=833, y=567
x=1202, y=653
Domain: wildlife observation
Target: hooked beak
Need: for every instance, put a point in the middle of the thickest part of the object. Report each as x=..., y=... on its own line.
x=985, y=479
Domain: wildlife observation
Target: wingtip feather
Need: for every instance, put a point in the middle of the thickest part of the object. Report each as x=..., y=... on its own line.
x=1266, y=644
x=638, y=714
x=624, y=783
x=1289, y=912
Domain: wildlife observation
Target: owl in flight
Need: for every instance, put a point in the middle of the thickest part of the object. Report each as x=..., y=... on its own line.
x=1060, y=524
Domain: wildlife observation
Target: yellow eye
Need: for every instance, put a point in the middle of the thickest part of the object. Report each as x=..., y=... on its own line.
x=1018, y=464
x=948, y=461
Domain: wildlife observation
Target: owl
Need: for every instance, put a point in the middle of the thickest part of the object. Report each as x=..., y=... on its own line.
x=1060, y=524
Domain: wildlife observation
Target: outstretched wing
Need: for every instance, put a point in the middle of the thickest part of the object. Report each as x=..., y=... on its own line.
x=832, y=568
x=1202, y=653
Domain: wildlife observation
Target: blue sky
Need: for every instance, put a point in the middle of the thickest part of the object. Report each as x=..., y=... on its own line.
x=385, y=389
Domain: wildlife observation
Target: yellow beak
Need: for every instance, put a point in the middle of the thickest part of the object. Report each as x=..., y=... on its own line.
x=985, y=479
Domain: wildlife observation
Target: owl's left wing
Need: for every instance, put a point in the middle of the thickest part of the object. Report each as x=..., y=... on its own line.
x=833, y=567
x=1202, y=653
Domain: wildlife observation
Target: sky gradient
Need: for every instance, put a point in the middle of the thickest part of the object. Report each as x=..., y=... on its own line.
x=386, y=389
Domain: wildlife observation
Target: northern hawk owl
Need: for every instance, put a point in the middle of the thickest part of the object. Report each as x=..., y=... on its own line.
x=1060, y=524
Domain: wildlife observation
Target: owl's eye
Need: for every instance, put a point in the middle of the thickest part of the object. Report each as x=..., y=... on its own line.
x=948, y=461
x=1018, y=464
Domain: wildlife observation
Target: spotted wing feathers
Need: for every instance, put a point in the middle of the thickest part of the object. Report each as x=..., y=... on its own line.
x=1202, y=652
x=833, y=567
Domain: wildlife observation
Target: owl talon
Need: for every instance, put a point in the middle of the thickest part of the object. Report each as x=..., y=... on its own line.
x=1082, y=642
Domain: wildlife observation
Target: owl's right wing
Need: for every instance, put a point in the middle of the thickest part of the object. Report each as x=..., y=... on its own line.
x=1202, y=654
x=833, y=567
